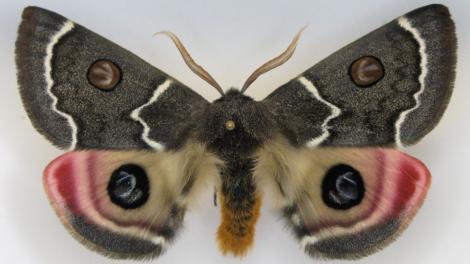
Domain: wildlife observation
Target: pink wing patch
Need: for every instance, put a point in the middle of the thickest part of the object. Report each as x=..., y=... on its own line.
x=66, y=177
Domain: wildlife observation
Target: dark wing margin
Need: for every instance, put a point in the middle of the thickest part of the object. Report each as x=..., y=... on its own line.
x=435, y=33
x=53, y=56
x=324, y=106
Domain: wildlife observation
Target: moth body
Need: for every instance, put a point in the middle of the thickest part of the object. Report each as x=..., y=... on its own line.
x=234, y=127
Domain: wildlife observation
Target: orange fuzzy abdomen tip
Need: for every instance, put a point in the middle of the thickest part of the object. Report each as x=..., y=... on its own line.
x=236, y=232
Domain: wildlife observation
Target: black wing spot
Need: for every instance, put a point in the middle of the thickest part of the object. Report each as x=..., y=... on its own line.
x=129, y=186
x=342, y=187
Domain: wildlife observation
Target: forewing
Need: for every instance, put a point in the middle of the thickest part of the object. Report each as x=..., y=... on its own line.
x=127, y=204
x=124, y=103
x=343, y=202
x=335, y=103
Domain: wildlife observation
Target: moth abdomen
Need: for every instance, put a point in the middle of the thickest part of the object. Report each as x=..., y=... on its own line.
x=237, y=229
x=240, y=205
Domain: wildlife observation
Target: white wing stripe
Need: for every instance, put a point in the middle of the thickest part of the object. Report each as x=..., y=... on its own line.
x=335, y=112
x=405, y=23
x=136, y=115
x=66, y=27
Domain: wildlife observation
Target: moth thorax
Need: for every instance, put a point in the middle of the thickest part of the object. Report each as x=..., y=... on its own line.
x=230, y=125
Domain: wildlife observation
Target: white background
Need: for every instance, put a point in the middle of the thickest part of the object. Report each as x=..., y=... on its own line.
x=230, y=39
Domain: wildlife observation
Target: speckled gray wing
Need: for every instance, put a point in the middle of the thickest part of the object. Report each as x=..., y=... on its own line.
x=82, y=91
x=388, y=88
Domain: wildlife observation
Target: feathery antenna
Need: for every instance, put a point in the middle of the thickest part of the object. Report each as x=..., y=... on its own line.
x=196, y=68
x=275, y=62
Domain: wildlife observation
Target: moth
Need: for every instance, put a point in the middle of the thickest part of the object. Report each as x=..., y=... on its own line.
x=326, y=144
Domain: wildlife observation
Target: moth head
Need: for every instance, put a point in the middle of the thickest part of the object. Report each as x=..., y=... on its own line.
x=235, y=120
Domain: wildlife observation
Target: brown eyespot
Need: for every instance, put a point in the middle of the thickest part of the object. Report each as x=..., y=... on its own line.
x=104, y=75
x=366, y=71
